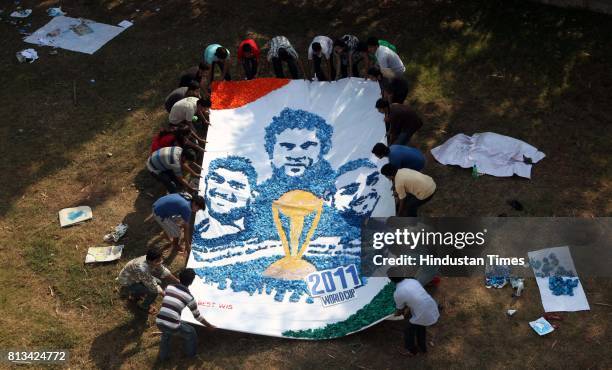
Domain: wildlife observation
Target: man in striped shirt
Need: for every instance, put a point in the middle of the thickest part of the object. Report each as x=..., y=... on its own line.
x=167, y=164
x=281, y=50
x=347, y=57
x=176, y=298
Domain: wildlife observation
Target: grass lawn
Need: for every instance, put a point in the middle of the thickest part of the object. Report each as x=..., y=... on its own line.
x=537, y=73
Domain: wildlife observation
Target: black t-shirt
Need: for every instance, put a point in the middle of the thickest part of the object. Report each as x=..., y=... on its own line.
x=403, y=119
x=192, y=74
x=174, y=96
x=398, y=86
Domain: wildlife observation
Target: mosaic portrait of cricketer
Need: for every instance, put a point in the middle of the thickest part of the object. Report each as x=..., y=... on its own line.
x=296, y=142
x=356, y=190
x=229, y=190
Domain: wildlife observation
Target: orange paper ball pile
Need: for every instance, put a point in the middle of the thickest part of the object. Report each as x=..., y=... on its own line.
x=234, y=94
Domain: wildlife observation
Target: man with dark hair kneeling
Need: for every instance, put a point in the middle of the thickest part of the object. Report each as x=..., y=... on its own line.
x=176, y=298
x=140, y=279
x=411, y=298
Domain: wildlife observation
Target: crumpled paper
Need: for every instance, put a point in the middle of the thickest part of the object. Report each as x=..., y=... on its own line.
x=55, y=12
x=27, y=55
x=21, y=13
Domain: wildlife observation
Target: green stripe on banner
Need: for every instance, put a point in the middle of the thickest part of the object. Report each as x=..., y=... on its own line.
x=382, y=305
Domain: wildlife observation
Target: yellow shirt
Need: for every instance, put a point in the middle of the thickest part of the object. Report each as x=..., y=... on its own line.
x=409, y=181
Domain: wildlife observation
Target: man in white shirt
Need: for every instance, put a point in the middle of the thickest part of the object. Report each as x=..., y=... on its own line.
x=386, y=58
x=321, y=48
x=410, y=296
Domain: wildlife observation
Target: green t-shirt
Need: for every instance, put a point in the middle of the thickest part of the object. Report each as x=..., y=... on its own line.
x=387, y=44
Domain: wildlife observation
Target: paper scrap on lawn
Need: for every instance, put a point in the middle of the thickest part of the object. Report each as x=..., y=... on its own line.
x=288, y=176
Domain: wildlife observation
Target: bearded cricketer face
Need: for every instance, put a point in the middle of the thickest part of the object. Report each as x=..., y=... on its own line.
x=295, y=151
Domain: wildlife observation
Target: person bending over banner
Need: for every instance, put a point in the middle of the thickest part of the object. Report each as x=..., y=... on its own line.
x=229, y=189
x=411, y=299
x=356, y=194
x=166, y=165
x=248, y=56
x=173, y=212
x=401, y=122
x=412, y=187
x=176, y=298
x=400, y=156
x=280, y=50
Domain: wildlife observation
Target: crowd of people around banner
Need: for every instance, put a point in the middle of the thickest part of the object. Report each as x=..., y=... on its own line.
x=179, y=146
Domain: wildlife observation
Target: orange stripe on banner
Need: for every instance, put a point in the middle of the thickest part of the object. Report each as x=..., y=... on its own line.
x=234, y=94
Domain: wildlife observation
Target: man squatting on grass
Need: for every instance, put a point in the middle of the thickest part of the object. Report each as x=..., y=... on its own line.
x=140, y=279
x=412, y=299
x=173, y=210
x=176, y=298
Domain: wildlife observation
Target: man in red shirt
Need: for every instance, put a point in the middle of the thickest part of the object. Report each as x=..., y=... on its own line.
x=174, y=136
x=248, y=56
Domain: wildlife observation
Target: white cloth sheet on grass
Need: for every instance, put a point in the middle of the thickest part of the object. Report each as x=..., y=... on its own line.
x=493, y=154
x=59, y=33
x=561, y=262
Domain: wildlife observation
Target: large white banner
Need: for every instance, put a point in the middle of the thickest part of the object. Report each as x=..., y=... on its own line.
x=288, y=176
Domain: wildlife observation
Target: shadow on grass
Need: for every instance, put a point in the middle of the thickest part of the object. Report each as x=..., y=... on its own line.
x=111, y=349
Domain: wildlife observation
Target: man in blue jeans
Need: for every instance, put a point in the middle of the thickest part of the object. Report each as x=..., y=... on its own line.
x=419, y=309
x=176, y=298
